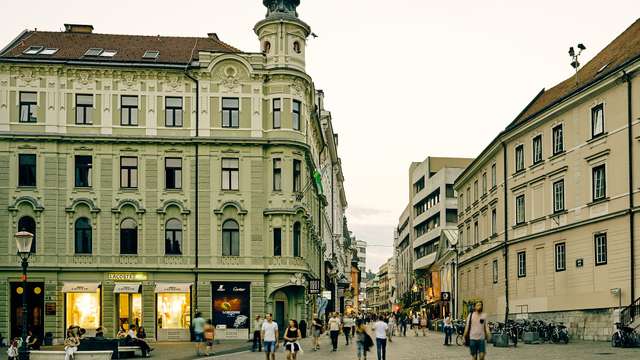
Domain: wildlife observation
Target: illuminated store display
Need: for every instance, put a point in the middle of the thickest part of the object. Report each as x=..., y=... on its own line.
x=83, y=309
x=174, y=310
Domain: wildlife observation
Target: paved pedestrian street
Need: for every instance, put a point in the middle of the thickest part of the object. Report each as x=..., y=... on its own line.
x=430, y=347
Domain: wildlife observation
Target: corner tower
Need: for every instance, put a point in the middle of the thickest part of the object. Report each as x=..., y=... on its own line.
x=283, y=36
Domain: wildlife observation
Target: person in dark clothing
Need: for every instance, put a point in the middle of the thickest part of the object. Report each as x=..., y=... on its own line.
x=134, y=341
x=291, y=337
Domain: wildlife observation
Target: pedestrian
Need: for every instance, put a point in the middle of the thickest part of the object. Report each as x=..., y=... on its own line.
x=347, y=328
x=392, y=327
x=198, y=332
x=71, y=343
x=403, y=324
x=133, y=340
x=334, y=330
x=476, y=332
x=257, y=328
x=12, y=351
x=415, y=324
x=380, y=329
x=447, y=327
x=291, y=337
x=269, y=335
x=317, y=329
x=363, y=340
x=209, y=336
x=423, y=324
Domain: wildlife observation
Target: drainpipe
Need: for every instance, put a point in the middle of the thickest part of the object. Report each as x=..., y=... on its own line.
x=197, y=198
x=506, y=228
x=627, y=78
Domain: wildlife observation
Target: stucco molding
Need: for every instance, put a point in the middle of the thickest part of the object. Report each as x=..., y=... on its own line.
x=132, y=202
x=297, y=280
x=179, y=204
x=33, y=202
x=82, y=201
x=235, y=204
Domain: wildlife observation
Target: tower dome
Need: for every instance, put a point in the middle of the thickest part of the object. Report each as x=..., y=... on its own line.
x=278, y=8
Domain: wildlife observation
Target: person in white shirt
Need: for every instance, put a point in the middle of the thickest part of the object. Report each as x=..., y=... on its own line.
x=415, y=324
x=334, y=325
x=269, y=337
x=380, y=329
x=257, y=328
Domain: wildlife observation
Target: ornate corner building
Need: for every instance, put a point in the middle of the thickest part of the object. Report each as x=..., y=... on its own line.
x=161, y=176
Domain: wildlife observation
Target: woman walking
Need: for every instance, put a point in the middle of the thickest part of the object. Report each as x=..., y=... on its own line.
x=317, y=329
x=291, y=337
x=363, y=340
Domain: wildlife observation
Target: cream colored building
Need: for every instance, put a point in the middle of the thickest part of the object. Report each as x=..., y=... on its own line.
x=549, y=196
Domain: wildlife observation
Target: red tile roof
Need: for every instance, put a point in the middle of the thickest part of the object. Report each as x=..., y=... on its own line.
x=624, y=48
x=130, y=48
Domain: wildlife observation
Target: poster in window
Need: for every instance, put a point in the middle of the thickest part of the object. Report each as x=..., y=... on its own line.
x=231, y=304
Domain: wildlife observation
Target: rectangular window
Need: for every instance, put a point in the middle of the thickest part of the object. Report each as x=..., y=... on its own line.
x=599, y=182
x=561, y=257
x=277, y=175
x=449, y=192
x=597, y=120
x=558, y=196
x=230, y=174
x=173, y=173
x=464, y=243
x=27, y=170
x=277, y=242
x=519, y=158
x=520, y=209
x=494, y=221
x=128, y=172
x=173, y=111
x=601, y=248
x=475, y=191
x=419, y=185
x=495, y=271
x=297, y=175
x=129, y=110
x=484, y=183
x=230, y=112
x=558, y=139
x=522, y=264
x=28, y=103
x=476, y=234
x=494, y=177
x=84, y=107
x=537, y=149
x=295, y=116
x=83, y=166
x=468, y=196
x=277, y=113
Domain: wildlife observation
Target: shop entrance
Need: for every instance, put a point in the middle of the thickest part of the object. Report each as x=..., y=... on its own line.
x=129, y=310
x=35, y=306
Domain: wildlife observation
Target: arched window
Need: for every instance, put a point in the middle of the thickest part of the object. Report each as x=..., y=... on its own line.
x=27, y=223
x=296, y=239
x=128, y=237
x=296, y=47
x=230, y=238
x=83, y=236
x=267, y=47
x=173, y=237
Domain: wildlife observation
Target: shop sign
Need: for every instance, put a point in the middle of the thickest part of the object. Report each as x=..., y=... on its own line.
x=50, y=308
x=314, y=287
x=231, y=304
x=326, y=294
x=126, y=276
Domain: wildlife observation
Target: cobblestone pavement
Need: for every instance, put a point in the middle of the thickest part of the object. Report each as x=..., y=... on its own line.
x=430, y=347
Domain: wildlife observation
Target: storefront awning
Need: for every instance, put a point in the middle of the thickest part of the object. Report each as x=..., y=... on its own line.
x=127, y=288
x=80, y=287
x=172, y=287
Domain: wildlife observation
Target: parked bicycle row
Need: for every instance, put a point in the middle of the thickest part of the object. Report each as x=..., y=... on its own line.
x=530, y=331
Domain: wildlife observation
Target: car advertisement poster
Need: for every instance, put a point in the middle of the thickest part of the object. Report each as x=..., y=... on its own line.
x=231, y=304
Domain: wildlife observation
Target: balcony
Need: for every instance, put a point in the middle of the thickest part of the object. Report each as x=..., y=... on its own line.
x=425, y=262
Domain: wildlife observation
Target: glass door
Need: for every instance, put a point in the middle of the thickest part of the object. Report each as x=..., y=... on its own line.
x=129, y=310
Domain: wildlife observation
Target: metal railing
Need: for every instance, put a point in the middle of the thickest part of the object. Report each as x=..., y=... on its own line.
x=630, y=313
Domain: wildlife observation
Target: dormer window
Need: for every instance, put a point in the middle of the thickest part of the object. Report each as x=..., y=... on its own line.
x=108, y=53
x=151, y=54
x=93, y=52
x=48, y=51
x=33, y=50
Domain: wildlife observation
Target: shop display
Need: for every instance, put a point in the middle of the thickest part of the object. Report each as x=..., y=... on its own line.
x=83, y=309
x=174, y=310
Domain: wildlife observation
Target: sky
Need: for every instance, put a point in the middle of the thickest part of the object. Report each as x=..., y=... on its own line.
x=403, y=79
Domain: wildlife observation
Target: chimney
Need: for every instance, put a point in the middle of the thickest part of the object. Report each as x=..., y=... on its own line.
x=78, y=28
x=214, y=36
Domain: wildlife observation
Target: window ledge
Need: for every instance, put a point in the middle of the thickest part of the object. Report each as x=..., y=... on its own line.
x=493, y=236
x=599, y=201
x=538, y=164
x=484, y=196
x=229, y=191
x=558, y=155
x=519, y=172
x=538, y=219
x=475, y=203
x=493, y=188
x=173, y=191
x=517, y=226
x=595, y=138
x=559, y=212
x=128, y=190
x=27, y=188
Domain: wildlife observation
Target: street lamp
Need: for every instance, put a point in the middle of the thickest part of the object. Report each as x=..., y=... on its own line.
x=23, y=243
x=454, y=248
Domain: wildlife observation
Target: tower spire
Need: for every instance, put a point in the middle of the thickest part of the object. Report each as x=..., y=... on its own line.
x=281, y=8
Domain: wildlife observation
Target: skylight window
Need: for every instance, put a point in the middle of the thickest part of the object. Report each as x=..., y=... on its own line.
x=108, y=53
x=603, y=67
x=33, y=50
x=94, y=52
x=48, y=51
x=151, y=54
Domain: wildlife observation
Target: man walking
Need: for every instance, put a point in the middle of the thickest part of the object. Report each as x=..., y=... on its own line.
x=477, y=331
x=334, y=330
x=198, y=331
x=269, y=335
x=257, y=329
x=380, y=329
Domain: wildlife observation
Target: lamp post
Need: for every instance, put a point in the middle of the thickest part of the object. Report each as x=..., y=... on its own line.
x=454, y=248
x=23, y=243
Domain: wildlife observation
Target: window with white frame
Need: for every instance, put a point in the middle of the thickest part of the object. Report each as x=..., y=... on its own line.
x=230, y=174
x=173, y=111
x=519, y=158
x=84, y=105
x=601, y=248
x=522, y=264
x=520, y=209
x=537, y=149
x=558, y=196
x=561, y=256
x=128, y=110
x=598, y=179
x=277, y=174
x=597, y=120
x=230, y=112
x=558, y=139
x=28, y=103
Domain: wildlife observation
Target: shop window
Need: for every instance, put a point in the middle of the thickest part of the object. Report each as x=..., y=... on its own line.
x=83, y=310
x=128, y=237
x=297, y=233
x=129, y=310
x=174, y=311
x=28, y=224
x=230, y=238
x=173, y=237
x=83, y=236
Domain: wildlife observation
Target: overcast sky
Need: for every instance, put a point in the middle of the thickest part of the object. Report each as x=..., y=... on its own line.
x=404, y=79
